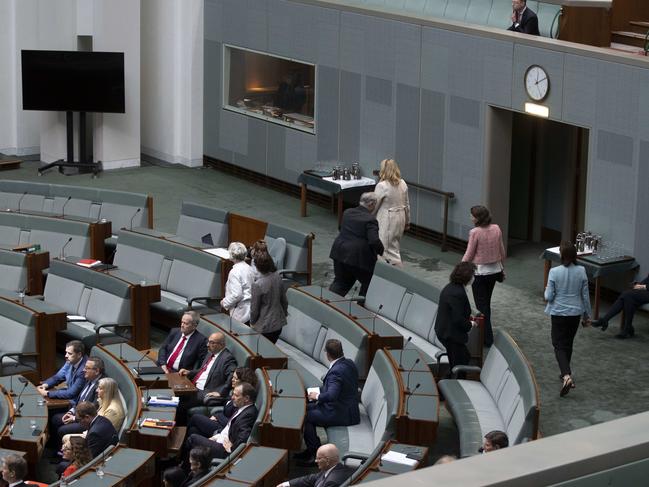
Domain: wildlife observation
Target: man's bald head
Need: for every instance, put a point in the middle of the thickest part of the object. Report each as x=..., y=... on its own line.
x=216, y=342
x=327, y=456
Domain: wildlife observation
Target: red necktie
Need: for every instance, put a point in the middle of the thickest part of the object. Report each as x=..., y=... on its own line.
x=203, y=369
x=176, y=352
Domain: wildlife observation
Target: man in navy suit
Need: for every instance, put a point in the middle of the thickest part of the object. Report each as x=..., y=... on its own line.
x=14, y=470
x=524, y=19
x=355, y=249
x=337, y=402
x=71, y=373
x=184, y=348
x=101, y=432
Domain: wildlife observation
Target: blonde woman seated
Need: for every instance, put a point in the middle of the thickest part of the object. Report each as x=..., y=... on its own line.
x=110, y=405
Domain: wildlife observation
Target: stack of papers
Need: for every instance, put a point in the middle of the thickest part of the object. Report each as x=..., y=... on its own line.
x=158, y=423
x=401, y=458
x=88, y=262
x=219, y=252
x=164, y=401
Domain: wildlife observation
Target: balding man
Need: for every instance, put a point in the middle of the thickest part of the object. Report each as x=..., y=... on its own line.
x=331, y=473
x=184, y=347
x=213, y=378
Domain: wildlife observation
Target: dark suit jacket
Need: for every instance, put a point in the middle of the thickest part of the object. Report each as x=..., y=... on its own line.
x=336, y=477
x=194, y=354
x=358, y=242
x=529, y=24
x=75, y=381
x=241, y=426
x=338, y=399
x=100, y=434
x=453, y=314
x=220, y=376
x=91, y=395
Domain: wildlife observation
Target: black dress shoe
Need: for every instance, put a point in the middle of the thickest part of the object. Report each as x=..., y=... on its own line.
x=624, y=335
x=599, y=324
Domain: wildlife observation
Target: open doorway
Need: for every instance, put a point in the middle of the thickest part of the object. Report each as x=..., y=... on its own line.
x=535, y=177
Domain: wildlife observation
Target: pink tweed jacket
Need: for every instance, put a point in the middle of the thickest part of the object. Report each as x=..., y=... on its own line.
x=485, y=245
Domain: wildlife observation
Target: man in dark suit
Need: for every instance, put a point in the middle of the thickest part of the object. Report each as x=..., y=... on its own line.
x=335, y=405
x=524, y=19
x=213, y=379
x=236, y=431
x=101, y=432
x=71, y=373
x=355, y=249
x=14, y=470
x=184, y=348
x=629, y=301
x=331, y=473
x=65, y=423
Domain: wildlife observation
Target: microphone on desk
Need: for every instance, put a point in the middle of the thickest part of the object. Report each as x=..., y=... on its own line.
x=62, y=254
x=24, y=383
x=409, y=394
x=148, y=388
x=63, y=207
x=230, y=324
x=272, y=402
x=354, y=291
x=257, y=344
x=326, y=274
x=121, y=357
x=408, y=375
x=401, y=351
x=137, y=366
x=130, y=226
x=20, y=200
x=374, y=317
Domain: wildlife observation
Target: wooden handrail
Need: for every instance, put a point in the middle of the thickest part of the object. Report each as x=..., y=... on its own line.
x=447, y=195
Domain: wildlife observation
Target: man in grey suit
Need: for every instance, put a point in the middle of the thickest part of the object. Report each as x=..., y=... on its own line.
x=331, y=473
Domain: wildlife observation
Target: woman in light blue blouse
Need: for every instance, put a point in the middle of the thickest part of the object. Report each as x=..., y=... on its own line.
x=568, y=301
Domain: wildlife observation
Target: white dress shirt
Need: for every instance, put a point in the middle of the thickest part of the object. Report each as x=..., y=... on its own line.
x=176, y=364
x=238, y=292
x=200, y=383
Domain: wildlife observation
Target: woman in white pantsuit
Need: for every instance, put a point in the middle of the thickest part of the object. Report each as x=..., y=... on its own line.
x=392, y=209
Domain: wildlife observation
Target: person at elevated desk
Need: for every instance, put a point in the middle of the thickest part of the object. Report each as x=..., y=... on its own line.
x=237, y=429
x=331, y=473
x=213, y=379
x=335, y=405
x=524, y=19
x=14, y=470
x=239, y=284
x=184, y=347
x=204, y=426
x=356, y=247
x=65, y=423
x=101, y=432
x=72, y=373
x=629, y=301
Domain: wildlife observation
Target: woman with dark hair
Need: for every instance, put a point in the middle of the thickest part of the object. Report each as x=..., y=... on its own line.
x=77, y=452
x=259, y=250
x=173, y=477
x=453, y=321
x=199, y=464
x=268, y=306
x=568, y=300
x=487, y=251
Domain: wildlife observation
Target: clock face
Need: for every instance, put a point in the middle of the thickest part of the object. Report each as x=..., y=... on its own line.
x=537, y=83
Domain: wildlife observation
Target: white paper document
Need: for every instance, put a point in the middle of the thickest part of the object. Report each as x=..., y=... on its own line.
x=309, y=390
x=396, y=457
x=76, y=318
x=219, y=252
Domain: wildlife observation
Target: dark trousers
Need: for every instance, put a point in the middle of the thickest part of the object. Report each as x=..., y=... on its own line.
x=483, y=288
x=345, y=276
x=273, y=336
x=458, y=354
x=316, y=417
x=216, y=449
x=629, y=301
x=202, y=426
x=564, y=329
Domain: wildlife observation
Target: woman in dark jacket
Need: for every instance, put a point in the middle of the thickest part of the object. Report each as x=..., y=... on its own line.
x=453, y=321
x=268, y=304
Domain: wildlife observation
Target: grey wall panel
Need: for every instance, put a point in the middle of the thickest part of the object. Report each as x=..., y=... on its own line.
x=245, y=23
x=464, y=111
x=212, y=102
x=300, y=154
x=497, y=59
x=378, y=90
x=352, y=42
x=379, y=55
x=327, y=109
x=435, y=57
x=431, y=157
x=276, y=149
x=642, y=206
x=617, y=108
x=233, y=135
x=580, y=86
x=407, y=53
x=255, y=155
x=615, y=148
x=350, y=116
x=553, y=63
x=643, y=107
x=407, y=131
x=212, y=17
x=377, y=135
x=428, y=210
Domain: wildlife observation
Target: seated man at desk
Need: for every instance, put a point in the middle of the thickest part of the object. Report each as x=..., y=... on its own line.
x=65, y=423
x=213, y=379
x=100, y=431
x=335, y=405
x=72, y=373
x=629, y=301
x=184, y=348
x=331, y=473
x=238, y=428
x=14, y=470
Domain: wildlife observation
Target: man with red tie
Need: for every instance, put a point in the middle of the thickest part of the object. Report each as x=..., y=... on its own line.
x=184, y=348
x=213, y=378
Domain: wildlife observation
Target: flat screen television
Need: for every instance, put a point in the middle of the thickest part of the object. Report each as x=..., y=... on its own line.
x=77, y=81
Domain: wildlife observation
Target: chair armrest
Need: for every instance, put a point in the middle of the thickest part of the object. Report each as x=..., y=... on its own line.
x=355, y=456
x=191, y=300
x=440, y=354
x=465, y=368
x=19, y=355
x=98, y=328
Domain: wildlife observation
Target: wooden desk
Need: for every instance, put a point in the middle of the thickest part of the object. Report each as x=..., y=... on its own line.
x=180, y=385
x=36, y=263
x=257, y=465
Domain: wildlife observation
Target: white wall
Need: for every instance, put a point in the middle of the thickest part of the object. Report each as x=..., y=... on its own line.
x=172, y=80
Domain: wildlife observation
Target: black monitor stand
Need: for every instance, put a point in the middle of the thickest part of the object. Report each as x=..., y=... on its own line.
x=83, y=166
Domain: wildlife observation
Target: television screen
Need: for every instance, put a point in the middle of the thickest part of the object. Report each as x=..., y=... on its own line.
x=76, y=81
